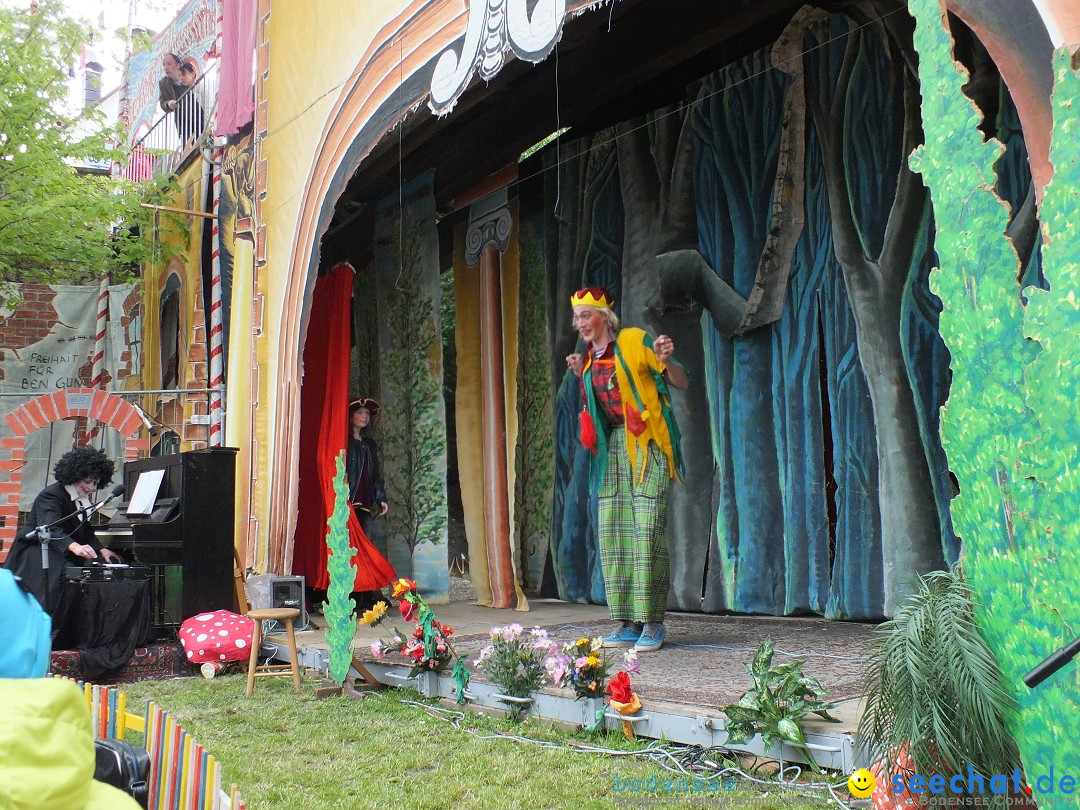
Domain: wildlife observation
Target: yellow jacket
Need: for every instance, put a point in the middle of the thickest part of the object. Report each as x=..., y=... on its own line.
x=47, y=750
x=644, y=393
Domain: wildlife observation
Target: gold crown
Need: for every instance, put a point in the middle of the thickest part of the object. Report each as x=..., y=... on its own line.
x=587, y=298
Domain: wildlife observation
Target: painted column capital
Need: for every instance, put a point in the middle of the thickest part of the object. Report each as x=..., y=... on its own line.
x=489, y=225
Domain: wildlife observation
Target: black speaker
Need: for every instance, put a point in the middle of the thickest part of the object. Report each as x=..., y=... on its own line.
x=288, y=592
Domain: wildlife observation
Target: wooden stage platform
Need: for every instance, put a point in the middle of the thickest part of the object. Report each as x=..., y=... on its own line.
x=701, y=666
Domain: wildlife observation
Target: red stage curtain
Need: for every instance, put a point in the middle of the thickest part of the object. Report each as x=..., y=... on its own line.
x=324, y=414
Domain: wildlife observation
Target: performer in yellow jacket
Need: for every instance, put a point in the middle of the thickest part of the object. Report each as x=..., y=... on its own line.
x=628, y=424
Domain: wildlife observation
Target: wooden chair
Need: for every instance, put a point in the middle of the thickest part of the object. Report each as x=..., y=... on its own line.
x=259, y=615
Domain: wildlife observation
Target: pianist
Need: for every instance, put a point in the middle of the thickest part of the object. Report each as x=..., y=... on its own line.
x=79, y=473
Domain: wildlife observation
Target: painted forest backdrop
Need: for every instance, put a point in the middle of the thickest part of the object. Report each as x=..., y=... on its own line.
x=771, y=226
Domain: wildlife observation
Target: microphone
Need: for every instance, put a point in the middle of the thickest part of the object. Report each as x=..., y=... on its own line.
x=117, y=491
x=1052, y=664
x=41, y=532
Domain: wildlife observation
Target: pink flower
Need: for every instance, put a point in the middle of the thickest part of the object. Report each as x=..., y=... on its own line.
x=557, y=667
x=378, y=649
x=512, y=632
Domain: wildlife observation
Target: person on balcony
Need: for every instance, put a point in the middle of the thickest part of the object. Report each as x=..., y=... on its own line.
x=176, y=95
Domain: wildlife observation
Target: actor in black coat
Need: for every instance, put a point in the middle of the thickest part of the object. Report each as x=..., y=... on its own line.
x=78, y=474
x=367, y=496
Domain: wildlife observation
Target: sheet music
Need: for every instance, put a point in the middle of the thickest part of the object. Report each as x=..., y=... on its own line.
x=146, y=490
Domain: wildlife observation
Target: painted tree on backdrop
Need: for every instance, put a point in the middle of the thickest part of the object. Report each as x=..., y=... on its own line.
x=533, y=460
x=668, y=282
x=876, y=268
x=1012, y=424
x=58, y=223
x=589, y=215
x=653, y=177
x=413, y=437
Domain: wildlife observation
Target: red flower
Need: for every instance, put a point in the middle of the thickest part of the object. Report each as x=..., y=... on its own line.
x=408, y=610
x=403, y=586
x=619, y=688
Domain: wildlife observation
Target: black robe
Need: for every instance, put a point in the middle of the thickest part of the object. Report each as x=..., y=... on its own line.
x=52, y=504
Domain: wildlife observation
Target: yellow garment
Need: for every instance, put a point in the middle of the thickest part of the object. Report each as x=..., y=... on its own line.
x=47, y=750
x=641, y=361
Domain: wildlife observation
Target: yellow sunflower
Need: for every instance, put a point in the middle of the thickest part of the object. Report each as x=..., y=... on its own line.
x=374, y=615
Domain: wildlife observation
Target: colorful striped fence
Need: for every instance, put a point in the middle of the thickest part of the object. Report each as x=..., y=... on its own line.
x=183, y=774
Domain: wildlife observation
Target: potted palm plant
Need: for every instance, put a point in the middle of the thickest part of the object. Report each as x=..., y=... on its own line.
x=935, y=697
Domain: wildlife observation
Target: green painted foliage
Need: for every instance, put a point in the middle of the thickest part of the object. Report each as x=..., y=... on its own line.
x=414, y=438
x=1010, y=427
x=535, y=456
x=340, y=618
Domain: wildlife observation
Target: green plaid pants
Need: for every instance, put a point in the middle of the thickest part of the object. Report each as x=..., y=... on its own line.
x=632, y=531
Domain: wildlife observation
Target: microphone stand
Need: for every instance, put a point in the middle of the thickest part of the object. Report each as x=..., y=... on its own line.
x=1052, y=664
x=43, y=534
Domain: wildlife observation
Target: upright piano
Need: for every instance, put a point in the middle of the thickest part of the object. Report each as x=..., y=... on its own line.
x=187, y=535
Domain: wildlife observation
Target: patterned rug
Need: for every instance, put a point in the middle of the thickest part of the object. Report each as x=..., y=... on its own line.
x=152, y=662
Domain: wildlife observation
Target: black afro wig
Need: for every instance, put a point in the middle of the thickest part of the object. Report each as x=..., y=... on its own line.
x=84, y=463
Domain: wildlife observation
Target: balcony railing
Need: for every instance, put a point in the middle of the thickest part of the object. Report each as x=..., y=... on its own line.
x=163, y=148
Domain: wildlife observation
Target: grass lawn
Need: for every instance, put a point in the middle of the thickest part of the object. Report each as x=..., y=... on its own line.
x=394, y=749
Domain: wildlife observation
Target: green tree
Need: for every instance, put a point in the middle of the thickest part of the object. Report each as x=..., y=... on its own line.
x=59, y=223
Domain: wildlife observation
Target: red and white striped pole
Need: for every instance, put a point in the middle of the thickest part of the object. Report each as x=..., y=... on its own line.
x=217, y=352
x=97, y=373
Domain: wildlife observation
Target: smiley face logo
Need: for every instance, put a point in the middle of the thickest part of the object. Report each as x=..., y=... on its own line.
x=861, y=783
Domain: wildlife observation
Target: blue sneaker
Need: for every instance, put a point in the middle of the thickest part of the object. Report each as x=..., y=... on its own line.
x=625, y=636
x=653, y=640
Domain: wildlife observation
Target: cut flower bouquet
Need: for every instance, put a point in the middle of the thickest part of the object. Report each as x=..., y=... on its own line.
x=427, y=647
x=584, y=667
x=517, y=661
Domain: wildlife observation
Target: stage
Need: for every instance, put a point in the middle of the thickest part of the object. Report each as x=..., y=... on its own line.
x=701, y=666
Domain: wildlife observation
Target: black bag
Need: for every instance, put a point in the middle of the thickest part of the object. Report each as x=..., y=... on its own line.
x=123, y=766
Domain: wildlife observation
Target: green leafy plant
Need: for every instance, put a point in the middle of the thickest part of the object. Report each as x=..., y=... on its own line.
x=935, y=698
x=780, y=698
